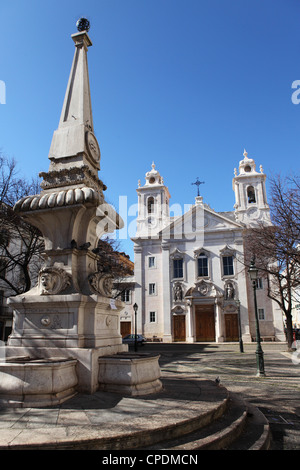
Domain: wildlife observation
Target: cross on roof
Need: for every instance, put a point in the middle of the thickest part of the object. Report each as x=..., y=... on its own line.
x=197, y=183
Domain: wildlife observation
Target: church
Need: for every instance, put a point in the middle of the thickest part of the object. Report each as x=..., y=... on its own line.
x=190, y=281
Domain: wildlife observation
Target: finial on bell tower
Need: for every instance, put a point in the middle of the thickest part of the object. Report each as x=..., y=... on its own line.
x=250, y=192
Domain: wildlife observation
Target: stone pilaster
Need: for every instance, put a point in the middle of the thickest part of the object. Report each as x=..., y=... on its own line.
x=166, y=295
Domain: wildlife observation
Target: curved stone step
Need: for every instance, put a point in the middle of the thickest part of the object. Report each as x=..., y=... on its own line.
x=218, y=434
x=187, y=415
x=241, y=427
x=183, y=407
x=256, y=434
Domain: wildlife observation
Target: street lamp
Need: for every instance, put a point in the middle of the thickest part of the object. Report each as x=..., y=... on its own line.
x=238, y=302
x=253, y=274
x=135, y=308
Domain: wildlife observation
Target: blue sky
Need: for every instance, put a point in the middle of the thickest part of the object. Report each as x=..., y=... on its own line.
x=187, y=84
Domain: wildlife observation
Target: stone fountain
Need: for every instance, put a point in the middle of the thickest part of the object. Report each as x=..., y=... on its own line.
x=66, y=335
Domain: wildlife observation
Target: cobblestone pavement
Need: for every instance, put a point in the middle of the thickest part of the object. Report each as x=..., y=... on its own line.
x=277, y=394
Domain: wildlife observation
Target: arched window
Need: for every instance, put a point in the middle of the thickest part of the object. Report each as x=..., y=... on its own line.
x=251, y=194
x=150, y=205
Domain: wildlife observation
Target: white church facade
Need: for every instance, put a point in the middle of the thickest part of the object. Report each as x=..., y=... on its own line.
x=190, y=283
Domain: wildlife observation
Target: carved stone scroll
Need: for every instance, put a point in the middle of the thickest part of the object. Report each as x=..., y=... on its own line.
x=101, y=284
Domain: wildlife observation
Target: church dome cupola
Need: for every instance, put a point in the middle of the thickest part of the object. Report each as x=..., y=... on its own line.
x=247, y=165
x=153, y=177
x=250, y=192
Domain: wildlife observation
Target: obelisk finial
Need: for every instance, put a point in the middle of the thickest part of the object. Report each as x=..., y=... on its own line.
x=83, y=25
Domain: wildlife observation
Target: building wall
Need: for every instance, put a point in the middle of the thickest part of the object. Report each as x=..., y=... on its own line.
x=218, y=235
x=153, y=301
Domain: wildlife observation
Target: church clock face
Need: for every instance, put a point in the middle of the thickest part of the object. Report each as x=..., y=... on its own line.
x=253, y=213
x=152, y=221
x=93, y=147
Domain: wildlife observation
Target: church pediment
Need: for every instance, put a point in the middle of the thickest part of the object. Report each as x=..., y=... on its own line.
x=216, y=221
x=199, y=219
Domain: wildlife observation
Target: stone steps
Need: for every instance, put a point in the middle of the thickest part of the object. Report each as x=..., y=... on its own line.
x=241, y=427
x=189, y=414
x=256, y=434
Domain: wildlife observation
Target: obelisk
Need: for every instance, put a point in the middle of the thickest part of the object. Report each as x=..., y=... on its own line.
x=70, y=312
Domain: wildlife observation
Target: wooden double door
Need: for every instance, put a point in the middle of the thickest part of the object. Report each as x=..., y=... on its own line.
x=231, y=327
x=205, y=323
x=179, y=331
x=125, y=328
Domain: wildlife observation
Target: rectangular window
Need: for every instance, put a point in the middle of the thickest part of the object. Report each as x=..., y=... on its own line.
x=151, y=262
x=259, y=283
x=125, y=296
x=177, y=268
x=228, y=265
x=202, y=266
x=152, y=317
x=261, y=313
x=152, y=289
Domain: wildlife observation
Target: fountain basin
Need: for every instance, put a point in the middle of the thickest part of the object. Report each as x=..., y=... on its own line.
x=130, y=374
x=26, y=382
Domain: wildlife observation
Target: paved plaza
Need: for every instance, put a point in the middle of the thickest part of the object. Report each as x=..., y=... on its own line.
x=183, y=367
x=277, y=394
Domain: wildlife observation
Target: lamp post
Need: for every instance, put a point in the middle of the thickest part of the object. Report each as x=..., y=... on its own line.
x=238, y=302
x=253, y=274
x=135, y=308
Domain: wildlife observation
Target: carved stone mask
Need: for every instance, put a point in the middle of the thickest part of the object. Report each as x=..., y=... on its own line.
x=53, y=280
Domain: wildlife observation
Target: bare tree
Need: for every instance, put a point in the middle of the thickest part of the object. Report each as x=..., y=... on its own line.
x=276, y=246
x=21, y=244
x=115, y=262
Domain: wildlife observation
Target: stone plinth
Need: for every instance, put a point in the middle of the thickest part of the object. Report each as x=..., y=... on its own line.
x=40, y=382
x=65, y=321
x=130, y=374
x=70, y=326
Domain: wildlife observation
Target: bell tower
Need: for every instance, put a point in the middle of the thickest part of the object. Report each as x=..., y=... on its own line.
x=250, y=193
x=153, y=204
